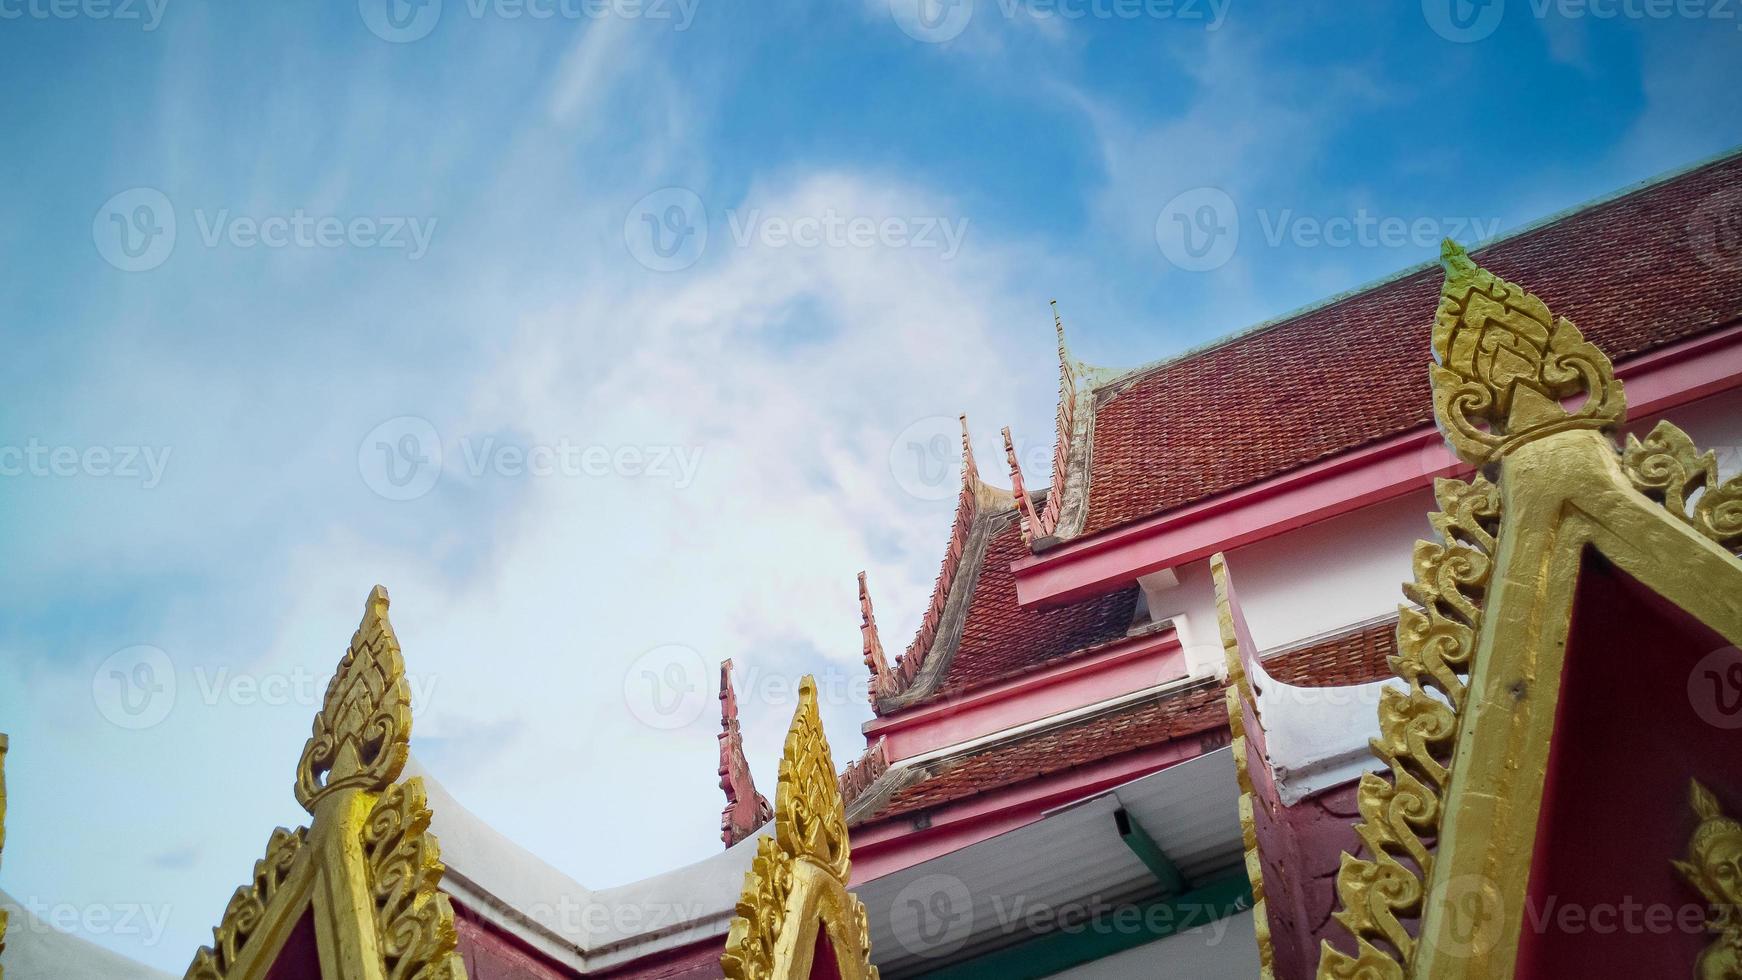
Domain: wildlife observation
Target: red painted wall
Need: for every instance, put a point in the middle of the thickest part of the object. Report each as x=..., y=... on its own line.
x=1633, y=726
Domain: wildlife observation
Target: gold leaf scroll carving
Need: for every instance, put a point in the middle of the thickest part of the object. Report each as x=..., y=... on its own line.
x=415, y=922
x=1666, y=467
x=1418, y=729
x=247, y=908
x=362, y=733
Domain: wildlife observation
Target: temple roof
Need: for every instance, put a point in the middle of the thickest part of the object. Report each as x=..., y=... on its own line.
x=1284, y=394
x=1352, y=657
x=1153, y=720
x=1628, y=270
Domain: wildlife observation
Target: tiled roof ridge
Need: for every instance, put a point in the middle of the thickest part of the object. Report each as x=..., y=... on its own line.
x=1055, y=515
x=976, y=505
x=1107, y=384
x=945, y=632
x=884, y=803
x=864, y=771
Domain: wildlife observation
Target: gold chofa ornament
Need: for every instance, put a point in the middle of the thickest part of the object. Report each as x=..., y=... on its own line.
x=795, y=893
x=1714, y=866
x=1504, y=364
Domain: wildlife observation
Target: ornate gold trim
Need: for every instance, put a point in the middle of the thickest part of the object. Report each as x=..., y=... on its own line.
x=1666, y=467
x=1505, y=364
x=362, y=734
x=1467, y=746
x=1239, y=695
x=414, y=920
x=250, y=906
x=1417, y=734
x=367, y=865
x=798, y=881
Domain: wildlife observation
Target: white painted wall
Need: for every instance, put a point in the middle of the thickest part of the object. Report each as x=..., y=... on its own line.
x=1187, y=595
x=1224, y=950
x=1330, y=575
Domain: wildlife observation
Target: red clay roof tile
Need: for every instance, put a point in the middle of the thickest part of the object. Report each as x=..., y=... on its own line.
x=1630, y=272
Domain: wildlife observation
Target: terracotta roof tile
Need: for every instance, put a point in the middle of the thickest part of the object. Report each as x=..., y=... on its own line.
x=1629, y=272
x=1357, y=656
x=1147, y=723
x=1001, y=639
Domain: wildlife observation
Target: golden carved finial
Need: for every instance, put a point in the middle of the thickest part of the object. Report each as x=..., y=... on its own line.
x=799, y=877
x=386, y=908
x=362, y=734
x=1505, y=363
x=1714, y=867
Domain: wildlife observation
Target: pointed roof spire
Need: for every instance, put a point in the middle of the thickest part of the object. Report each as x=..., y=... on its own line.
x=882, y=681
x=1031, y=525
x=746, y=810
x=970, y=471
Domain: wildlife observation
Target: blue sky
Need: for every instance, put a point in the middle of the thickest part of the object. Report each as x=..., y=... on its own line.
x=438, y=312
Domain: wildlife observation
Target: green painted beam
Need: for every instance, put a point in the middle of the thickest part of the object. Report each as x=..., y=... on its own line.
x=1149, y=852
x=1085, y=934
